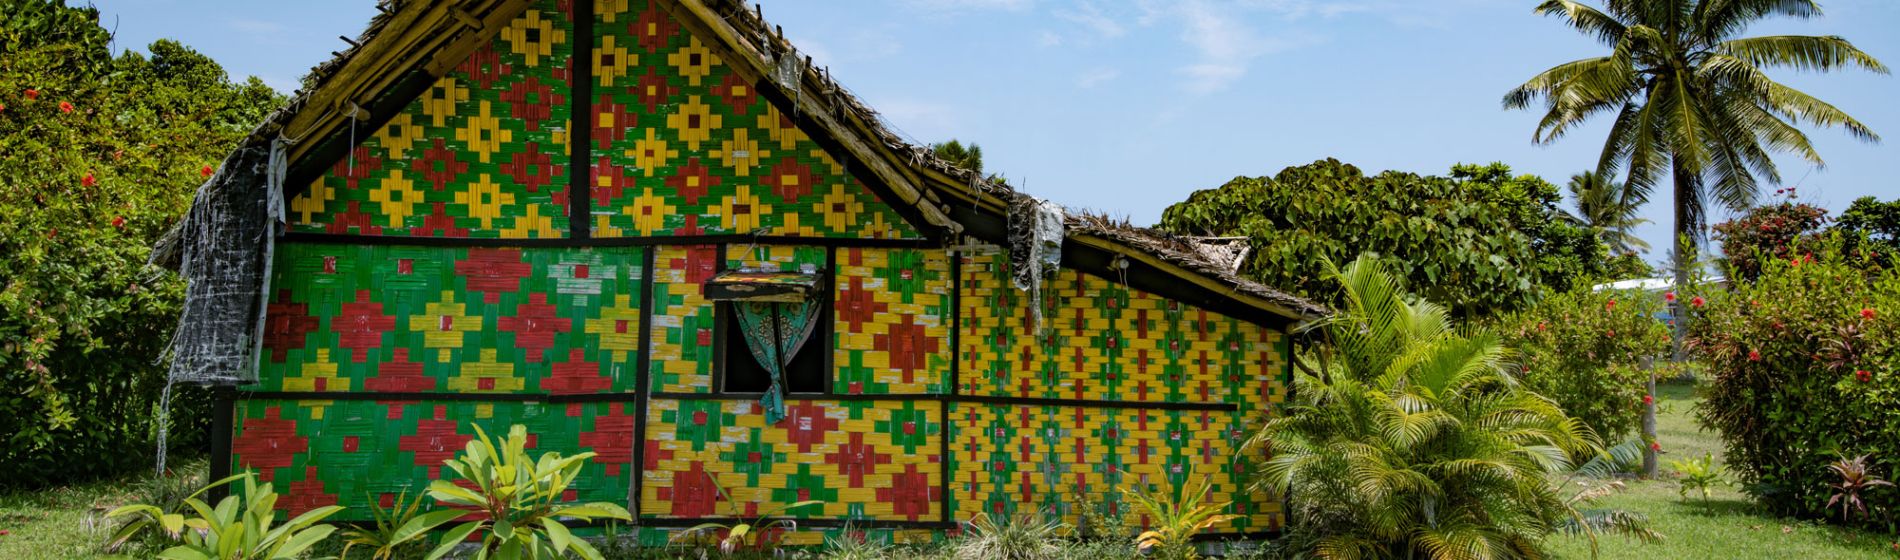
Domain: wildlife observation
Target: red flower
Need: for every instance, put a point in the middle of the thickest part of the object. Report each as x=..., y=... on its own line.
x=1754, y=355
x=1649, y=399
x=1540, y=325
x=1867, y=313
x=88, y=180
x=32, y=93
x=1669, y=296
x=1610, y=304
x=204, y=171
x=1863, y=375
x=1697, y=301
x=1611, y=333
x=1655, y=446
x=65, y=107
x=119, y=222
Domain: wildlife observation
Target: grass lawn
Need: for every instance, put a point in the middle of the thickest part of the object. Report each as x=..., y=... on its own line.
x=68, y=522
x=1729, y=526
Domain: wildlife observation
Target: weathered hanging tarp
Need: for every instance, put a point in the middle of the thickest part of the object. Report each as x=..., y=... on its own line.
x=774, y=331
x=1035, y=247
x=224, y=246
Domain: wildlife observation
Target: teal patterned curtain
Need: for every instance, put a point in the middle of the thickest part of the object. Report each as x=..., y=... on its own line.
x=775, y=331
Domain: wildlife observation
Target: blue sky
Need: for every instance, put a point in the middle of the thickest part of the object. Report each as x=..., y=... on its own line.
x=1126, y=106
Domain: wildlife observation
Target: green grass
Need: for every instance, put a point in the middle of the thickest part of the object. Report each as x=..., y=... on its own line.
x=1729, y=525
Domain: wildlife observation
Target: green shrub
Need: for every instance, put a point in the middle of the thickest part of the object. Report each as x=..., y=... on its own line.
x=1584, y=349
x=1800, y=369
x=1771, y=232
x=518, y=500
x=240, y=527
x=1022, y=537
x=1415, y=444
x=98, y=160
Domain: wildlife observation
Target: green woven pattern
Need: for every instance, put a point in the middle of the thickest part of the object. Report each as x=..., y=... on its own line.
x=469, y=320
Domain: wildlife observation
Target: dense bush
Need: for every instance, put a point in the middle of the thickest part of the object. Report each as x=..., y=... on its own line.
x=1772, y=232
x=1801, y=371
x=1479, y=240
x=98, y=156
x=1585, y=348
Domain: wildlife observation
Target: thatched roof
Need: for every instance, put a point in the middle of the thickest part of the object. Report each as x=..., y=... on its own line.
x=410, y=35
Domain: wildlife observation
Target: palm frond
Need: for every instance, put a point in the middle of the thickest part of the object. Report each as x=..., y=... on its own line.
x=1801, y=52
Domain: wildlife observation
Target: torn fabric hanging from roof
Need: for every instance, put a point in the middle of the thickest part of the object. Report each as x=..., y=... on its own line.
x=1035, y=247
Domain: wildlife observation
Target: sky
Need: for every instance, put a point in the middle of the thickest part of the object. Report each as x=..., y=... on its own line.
x=1127, y=106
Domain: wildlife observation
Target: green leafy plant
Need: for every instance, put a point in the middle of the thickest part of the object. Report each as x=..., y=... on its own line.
x=1804, y=357
x=1097, y=518
x=1596, y=479
x=851, y=544
x=1770, y=232
x=1179, y=515
x=518, y=500
x=402, y=526
x=755, y=535
x=1855, y=480
x=241, y=527
x=1415, y=442
x=163, y=498
x=1698, y=475
x=1585, y=348
x=1020, y=537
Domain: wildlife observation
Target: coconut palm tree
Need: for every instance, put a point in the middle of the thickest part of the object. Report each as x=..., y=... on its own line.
x=1608, y=207
x=967, y=156
x=1416, y=443
x=1690, y=100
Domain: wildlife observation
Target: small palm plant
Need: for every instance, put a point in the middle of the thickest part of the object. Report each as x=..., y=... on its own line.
x=1022, y=537
x=517, y=499
x=1856, y=478
x=238, y=528
x=1177, y=520
x=1697, y=475
x=402, y=526
x=754, y=535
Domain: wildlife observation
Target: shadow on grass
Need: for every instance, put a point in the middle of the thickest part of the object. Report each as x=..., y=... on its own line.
x=1718, y=507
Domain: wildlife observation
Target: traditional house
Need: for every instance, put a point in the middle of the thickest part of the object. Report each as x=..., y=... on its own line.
x=652, y=230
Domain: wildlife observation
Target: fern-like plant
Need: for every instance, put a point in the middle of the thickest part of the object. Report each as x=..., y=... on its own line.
x=1177, y=520
x=518, y=500
x=240, y=527
x=754, y=535
x=1022, y=537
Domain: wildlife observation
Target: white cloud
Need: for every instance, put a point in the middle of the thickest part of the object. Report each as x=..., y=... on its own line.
x=1097, y=77
x=1088, y=15
x=1225, y=46
x=1048, y=39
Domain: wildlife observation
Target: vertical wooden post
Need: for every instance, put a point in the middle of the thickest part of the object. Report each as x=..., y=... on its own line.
x=223, y=420
x=1649, y=421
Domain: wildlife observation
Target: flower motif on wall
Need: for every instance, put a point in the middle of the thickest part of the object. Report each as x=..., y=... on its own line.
x=737, y=94
x=485, y=200
x=532, y=102
x=649, y=212
x=654, y=28
x=397, y=196
x=484, y=66
x=651, y=153
x=742, y=212
x=740, y=152
x=693, y=123
x=840, y=209
x=780, y=129
x=311, y=203
x=483, y=133
x=611, y=61
x=439, y=165
x=653, y=91
x=534, y=37
x=790, y=179
x=443, y=100
x=399, y=135
x=694, y=62
x=693, y=180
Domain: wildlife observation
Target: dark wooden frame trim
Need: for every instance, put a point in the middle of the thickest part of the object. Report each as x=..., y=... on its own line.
x=643, y=375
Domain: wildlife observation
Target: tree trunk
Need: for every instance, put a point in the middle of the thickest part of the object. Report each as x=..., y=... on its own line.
x=1649, y=422
x=1688, y=201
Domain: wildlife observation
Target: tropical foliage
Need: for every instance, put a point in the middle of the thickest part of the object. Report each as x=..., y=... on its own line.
x=1698, y=475
x=758, y=535
x=1609, y=207
x=1179, y=514
x=240, y=527
x=1691, y=100
x=518, y=501
x=1021, y=537
x=1585, y=349
x=398, y=529
x=1481, y=240
x=99, y=155
x=1417, y=441
x=1872, y=228
x=1772, y=232
x=1800, y=368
